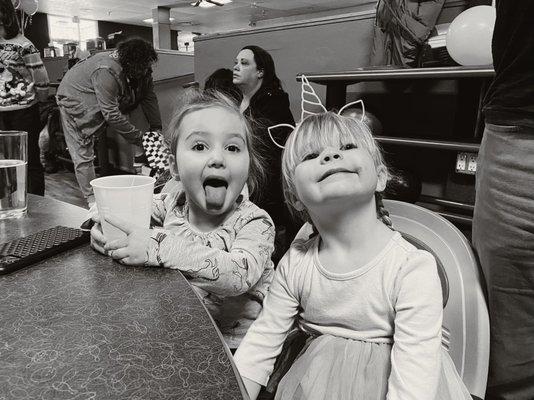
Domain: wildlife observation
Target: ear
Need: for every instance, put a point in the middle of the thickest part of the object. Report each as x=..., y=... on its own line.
x=382, y=181
x=173, y=167
x=260, y=73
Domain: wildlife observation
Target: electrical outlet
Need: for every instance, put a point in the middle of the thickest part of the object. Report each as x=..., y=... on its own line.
x=461, y=162
x=466, y=163
x=471, y=164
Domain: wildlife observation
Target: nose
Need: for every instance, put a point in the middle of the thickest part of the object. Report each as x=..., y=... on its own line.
x=330, y=154
x=236, y=66
x=216, y=159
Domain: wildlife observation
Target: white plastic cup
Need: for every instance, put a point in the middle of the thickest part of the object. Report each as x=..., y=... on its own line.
x=126, y=196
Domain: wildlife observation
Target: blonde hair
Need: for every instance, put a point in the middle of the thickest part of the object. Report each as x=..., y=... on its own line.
x=314, y=134
x=195, y=100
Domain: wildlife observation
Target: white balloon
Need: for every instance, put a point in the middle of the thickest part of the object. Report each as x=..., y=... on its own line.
x=29, y=6
x=470, y=34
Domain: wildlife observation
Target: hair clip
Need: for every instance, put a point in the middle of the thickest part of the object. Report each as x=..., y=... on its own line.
x=310, y=99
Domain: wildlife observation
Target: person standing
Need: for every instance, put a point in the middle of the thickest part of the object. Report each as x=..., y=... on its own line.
x=503, y=224
x=266, y=104
x=23, y=85
x=97, y=92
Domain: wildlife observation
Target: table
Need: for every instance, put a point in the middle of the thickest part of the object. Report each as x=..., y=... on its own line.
x=81, y=326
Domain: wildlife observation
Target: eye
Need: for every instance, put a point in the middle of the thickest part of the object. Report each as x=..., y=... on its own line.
x=233, y=148
x=199, y=147
x=349, y=146
x=310, y=156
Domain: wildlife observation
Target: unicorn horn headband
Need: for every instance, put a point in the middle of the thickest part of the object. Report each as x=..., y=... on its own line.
x=309, y=101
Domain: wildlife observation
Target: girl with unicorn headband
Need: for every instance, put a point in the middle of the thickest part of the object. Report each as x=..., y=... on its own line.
x=360, y=307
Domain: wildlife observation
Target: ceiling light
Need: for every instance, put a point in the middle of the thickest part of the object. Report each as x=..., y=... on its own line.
x=151, y=20
x=207, y=4
x=204, y=4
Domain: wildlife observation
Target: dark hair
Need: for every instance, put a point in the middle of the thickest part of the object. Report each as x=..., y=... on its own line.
x=135, y=56
x=222, y=80
x=9, y=19
x=265, y=63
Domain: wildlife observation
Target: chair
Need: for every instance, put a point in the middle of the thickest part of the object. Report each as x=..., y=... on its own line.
x=465, y=315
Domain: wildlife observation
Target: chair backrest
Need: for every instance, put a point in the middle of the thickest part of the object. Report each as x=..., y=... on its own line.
x=465, y=316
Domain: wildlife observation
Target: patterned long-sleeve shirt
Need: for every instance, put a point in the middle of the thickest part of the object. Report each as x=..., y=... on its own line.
x=229, y=267
x=23, y=77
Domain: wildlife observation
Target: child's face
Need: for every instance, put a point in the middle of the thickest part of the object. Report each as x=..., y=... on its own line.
x=212, y=159
x=335, y=174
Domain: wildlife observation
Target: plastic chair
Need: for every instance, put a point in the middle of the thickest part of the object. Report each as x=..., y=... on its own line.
x=465, y=315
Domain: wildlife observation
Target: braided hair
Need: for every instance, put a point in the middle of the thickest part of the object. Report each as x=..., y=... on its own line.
x=381, y=212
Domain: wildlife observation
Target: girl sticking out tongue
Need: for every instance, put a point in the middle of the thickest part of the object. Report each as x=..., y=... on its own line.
x=206, y=226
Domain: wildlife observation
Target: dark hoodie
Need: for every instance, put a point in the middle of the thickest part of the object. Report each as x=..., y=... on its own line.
x=510, y=98
x=271, y=107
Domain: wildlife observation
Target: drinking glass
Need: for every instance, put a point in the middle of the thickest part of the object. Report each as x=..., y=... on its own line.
x=13, y=173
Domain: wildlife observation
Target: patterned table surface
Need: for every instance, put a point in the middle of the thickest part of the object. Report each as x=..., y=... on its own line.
x=80, y=326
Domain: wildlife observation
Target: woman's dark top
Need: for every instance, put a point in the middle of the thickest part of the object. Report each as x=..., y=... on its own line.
x=270, y=107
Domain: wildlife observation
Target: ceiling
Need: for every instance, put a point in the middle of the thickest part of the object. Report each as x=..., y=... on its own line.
x=235, y=15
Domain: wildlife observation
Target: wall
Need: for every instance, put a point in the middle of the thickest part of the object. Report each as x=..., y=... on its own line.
x=145, y=32
x=340, y=43
x=334, y=43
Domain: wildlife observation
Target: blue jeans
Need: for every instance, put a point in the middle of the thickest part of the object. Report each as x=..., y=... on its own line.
x=81, y=150
x=503, y=235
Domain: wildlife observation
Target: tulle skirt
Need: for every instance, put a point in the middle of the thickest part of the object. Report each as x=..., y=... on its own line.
x=334, y=368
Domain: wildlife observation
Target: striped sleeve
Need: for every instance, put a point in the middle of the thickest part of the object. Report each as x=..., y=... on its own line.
x=32, y=60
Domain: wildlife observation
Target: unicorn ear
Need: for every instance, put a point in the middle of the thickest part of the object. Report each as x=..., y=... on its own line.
x=309, y=102
x=269, y=129
x=351, y=104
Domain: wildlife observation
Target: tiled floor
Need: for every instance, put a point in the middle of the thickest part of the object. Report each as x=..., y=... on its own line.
x=62, y=186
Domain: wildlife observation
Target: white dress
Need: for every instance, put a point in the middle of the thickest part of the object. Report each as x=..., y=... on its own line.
x=377, y=328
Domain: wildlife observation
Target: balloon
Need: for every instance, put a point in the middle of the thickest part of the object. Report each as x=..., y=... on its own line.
x=469, y=36
x=374, y=124
x=29, y=6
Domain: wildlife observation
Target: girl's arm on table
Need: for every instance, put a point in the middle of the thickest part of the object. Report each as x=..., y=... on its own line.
x=263, y=342
x=416, y=351
x=222, y=272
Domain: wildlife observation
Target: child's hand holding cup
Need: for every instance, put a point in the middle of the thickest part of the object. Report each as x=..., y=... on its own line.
x=124, y=205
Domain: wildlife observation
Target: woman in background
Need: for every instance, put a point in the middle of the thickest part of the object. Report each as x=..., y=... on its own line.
x=266, y=104
x=23, y=84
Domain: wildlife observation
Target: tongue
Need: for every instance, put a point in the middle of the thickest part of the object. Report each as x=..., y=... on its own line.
x=215, y=196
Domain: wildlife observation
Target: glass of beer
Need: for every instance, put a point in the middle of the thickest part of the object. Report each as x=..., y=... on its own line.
x=13, y=173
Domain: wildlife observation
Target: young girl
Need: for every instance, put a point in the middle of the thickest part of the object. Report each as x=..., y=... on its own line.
x=209, y=229
x=367, y=302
